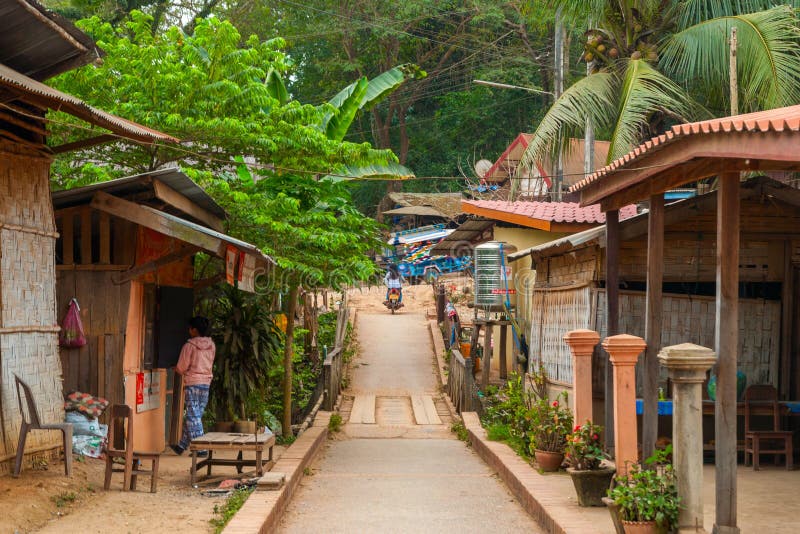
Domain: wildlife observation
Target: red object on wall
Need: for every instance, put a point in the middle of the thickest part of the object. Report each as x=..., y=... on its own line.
x=139, y=388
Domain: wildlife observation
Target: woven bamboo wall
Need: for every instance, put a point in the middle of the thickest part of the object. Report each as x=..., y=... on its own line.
x=579, y=266
x=28, y=329
x=691, y=319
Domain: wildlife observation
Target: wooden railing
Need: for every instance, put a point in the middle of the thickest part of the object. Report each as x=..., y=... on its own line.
x=460, y=382
x=333, y=366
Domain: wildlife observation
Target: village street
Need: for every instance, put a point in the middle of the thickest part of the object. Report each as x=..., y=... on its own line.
x=386, y=472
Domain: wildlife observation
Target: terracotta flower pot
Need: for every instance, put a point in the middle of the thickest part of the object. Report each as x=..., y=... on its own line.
x=640, y=527
x=591, y=485
x=223, y=426
x=549, y=461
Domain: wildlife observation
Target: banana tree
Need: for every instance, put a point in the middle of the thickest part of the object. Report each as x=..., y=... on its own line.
x=657, y=62
x=342, y=110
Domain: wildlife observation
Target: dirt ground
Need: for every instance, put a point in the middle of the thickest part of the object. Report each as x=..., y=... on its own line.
x=46, y=501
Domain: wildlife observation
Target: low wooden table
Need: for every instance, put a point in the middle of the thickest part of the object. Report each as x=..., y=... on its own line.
x=231, y=441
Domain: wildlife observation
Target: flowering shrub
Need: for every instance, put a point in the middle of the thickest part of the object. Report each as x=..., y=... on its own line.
x=550, y=424
x=648, y=494
x=583, y=447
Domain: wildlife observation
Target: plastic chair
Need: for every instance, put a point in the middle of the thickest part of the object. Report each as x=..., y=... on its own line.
x=120, y=445
x=32, y=421
x=765, y=395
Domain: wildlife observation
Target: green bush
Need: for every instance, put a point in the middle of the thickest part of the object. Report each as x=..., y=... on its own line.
x=229, y=508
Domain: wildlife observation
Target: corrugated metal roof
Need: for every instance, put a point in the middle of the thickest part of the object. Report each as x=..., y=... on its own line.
x=447, y=203
x=140, y=183
x=46, y=97
x=429, y=235
x=464, y=236
x=776, y=120
x=425, y=211
x=558, y=212
x=564, y=243
x=41, y=44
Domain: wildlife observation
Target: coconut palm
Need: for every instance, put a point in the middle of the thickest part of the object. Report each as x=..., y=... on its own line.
x=656, y=62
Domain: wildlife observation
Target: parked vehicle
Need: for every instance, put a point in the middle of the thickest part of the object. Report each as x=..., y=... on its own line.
x=394, y=300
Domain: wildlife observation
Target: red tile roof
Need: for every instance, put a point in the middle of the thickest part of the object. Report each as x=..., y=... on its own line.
x=778, y=120
x=557, y=212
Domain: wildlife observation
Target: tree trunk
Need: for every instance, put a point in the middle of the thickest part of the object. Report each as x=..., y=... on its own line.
x=288, y=352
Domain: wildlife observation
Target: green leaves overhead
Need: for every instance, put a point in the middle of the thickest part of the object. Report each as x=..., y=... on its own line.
x=276, y=88
x=387, y=171
x=338, y=123
x=768, y=64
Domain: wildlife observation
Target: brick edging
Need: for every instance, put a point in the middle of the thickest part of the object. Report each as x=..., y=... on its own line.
x=527, y=485
x=263, y=509
x=438, y=349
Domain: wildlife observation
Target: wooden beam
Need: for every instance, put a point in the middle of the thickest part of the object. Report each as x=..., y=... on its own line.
x=24, y=124
x=740, y=150
x=653, y=321
x=210, y=281
x=151, y=266
x=67, y=239
x=787, y=290
x=105, y=238
x=727, y=343
x=86, y=236
x=150, y=218
x=180, y=202
x=83, y=143
x=612, y=313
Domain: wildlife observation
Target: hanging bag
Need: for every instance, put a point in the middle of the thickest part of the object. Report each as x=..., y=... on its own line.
x=72, y=336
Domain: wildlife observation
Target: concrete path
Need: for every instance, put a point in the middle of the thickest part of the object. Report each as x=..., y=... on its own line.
x=396, y=466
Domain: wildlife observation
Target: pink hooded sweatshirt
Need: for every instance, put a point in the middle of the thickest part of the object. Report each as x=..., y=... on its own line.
x=196, y=361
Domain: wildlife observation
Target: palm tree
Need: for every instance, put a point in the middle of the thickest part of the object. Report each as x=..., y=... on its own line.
x=657, y=62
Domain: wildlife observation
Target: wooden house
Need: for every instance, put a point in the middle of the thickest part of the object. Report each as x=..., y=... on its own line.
x=570, y=290
x=35, y=45
x=126, y=253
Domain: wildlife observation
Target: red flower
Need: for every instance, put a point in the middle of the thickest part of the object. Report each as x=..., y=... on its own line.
x=595, y=437
x=577, y=427
x=555, y=404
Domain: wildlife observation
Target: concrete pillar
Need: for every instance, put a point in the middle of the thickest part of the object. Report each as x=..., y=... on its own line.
x=687, y=365
x=623, y=351
x=581, y=344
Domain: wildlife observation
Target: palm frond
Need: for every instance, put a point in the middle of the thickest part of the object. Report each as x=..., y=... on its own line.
x=644, y=90
x=768, y=63
x=591, y=97
x=693, y=12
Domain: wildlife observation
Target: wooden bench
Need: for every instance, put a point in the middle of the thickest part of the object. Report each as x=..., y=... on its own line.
x=225, y=441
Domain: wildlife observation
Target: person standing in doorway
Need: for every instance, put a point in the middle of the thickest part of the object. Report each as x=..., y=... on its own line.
x=195, y=365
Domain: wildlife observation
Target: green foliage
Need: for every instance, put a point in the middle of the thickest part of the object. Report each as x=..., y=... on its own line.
x=248, y=348
x=584, y=449
x=64, y=498
x=550, y=423
x=655, y=63
x=335, y=423
x=460, y=430
x=648, y=494
x=229, y=508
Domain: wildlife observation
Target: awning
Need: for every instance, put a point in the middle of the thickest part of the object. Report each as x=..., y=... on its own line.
x=425, y=211
x=40, y=95
x=204, y=238
x=419, y=237
x=565, y=243
x=472, y=232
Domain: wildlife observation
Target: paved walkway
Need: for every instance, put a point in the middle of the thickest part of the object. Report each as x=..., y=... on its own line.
x=396, y=466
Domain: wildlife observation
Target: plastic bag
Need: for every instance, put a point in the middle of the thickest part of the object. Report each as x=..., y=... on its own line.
x=72, y=336
x=81, y=426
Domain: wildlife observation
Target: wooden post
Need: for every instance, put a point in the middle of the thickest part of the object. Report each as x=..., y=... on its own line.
x=623, y=352
x=105, y=238
x=503, y=351
x=581, y=344
x=612, y=313
x=787, y=304
x=487, y=355
x=727, y=345
x=653, y=321
x=86, y=236
x=440, y=298
x=67, y=238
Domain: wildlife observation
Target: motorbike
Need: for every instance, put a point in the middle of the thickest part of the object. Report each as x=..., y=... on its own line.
x=394, y=300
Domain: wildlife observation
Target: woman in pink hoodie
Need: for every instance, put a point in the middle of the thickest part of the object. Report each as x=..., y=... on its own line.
x=195, y=364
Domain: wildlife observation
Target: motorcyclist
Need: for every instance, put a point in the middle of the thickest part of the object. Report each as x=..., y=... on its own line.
x=393, y=280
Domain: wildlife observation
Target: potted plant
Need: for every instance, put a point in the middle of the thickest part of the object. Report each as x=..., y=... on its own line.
x=647, y=499
x=550, y=425
x=585, y=456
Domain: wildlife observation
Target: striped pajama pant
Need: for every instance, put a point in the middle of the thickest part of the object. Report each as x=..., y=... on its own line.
x=195, y=400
